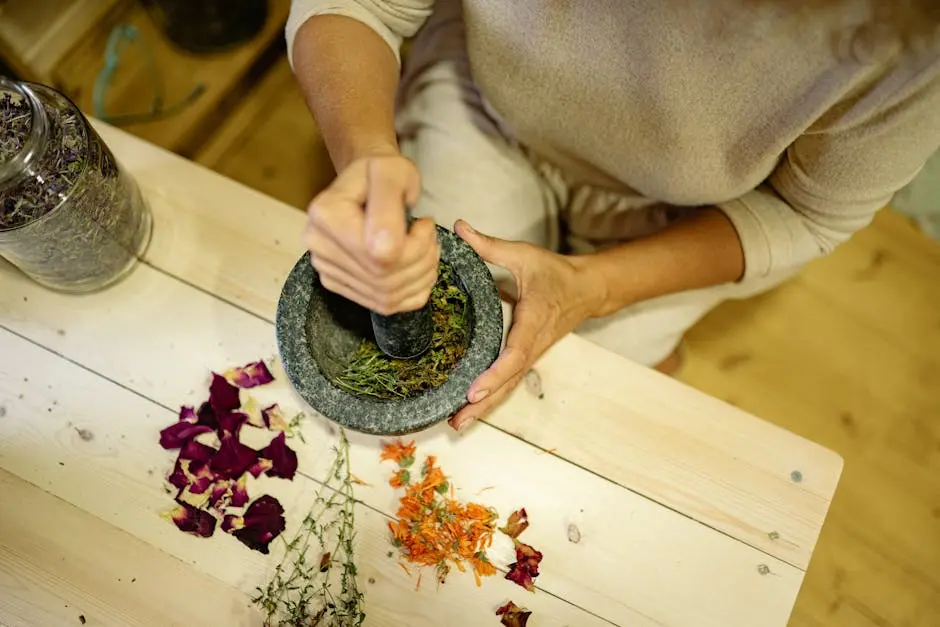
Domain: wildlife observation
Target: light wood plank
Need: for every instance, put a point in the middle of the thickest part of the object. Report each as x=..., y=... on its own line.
x=638, y=561
x=96, y=571
x=114, y=473
x=669, y=442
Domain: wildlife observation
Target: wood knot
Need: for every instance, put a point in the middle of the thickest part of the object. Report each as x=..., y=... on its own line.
x=574, y=534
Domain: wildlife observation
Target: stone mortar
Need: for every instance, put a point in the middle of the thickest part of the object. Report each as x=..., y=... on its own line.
x=319, y=331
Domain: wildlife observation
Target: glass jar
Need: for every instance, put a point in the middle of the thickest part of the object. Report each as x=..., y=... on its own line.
x=71, y=218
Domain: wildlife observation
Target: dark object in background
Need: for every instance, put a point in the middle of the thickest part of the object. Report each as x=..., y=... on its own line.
x=207, y=26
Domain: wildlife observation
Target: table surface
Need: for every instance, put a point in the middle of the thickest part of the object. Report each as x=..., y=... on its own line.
x=691, y=512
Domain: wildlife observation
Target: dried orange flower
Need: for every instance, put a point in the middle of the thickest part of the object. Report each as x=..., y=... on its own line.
x=433, y=528
x=400, y=453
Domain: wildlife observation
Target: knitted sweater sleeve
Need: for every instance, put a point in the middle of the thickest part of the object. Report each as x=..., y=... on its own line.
x=393, y=20
x=834, y=177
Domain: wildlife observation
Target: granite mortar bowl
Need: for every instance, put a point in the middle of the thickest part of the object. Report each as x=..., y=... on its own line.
x=318, y=332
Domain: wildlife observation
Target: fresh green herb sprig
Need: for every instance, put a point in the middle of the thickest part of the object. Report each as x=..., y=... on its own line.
x=301, y=591
x=372, y=373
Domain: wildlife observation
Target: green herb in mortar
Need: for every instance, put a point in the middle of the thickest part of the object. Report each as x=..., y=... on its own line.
x=372, y=373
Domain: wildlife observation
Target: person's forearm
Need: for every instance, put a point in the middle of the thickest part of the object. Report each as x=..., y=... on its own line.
x=348, y=76
x=700, y=251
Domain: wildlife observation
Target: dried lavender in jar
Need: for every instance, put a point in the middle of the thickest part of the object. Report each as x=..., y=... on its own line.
x=70, y=217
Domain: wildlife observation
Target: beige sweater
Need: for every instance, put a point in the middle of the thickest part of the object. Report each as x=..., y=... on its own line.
x=734, y=103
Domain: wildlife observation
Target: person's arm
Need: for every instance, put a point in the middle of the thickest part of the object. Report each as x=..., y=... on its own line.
x=699, y=251
x=348, y=76
x=345, y=56
x=828, y=185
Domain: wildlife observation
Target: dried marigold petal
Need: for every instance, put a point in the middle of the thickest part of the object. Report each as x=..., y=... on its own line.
x=517, y=523
x=233, y=458
x=398, y=451
x=223, y=396
x=250, y=375
x=400, y=479
x=513, y=615
x=192, y=520
x=432, y=530
x=263, y=522
x=179, y=433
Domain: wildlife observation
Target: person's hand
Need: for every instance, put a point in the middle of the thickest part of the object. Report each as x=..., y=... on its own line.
x=555, y=294
x=359, y=241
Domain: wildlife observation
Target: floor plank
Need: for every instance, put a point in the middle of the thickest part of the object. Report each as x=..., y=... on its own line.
x=848, y=355
x=176, y=72
x=270, y=142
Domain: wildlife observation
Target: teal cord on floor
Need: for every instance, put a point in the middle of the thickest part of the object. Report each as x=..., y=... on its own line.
x=120, y=37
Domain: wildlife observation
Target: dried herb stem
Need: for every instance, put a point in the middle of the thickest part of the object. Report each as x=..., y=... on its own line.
x=301, y=591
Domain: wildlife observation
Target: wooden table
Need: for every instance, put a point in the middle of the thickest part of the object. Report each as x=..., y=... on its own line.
x=690, y=511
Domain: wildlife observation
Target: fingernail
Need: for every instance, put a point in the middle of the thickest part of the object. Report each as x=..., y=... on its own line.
x=479, y=396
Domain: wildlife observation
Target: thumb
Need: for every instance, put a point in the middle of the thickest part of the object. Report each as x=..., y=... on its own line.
x=491, y=249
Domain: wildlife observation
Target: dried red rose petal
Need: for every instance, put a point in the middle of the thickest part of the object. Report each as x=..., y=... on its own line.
x=178, y=478
x=513, y=615
x=251, y=409
x=179, y=433
x=274, y=418
x=263, y=522
x=239, y=493
x=200, y=477
x=233, y=458
x=231, y=422
x=526, y=567
x=197, y=452
x=205, y=415
x=250, y=375
x=187, y=413
x=260, y=467
x=228, y=493
x=517, y=523
x=223, y=396
x=192, y=467
x=192, y=520
x=283, y=458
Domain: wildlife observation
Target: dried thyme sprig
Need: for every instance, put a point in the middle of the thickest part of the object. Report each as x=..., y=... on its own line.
x=301, y=591
x=372, y=373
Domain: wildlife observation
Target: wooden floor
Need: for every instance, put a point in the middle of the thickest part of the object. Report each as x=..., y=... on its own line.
x=847, y=354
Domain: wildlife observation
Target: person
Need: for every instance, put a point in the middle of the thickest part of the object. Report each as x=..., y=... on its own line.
x=623, y=166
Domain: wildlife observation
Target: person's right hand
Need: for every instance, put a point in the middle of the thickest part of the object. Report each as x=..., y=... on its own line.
x=360, y=244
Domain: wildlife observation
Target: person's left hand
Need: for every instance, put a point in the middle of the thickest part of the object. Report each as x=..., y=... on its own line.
x=555, y=294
